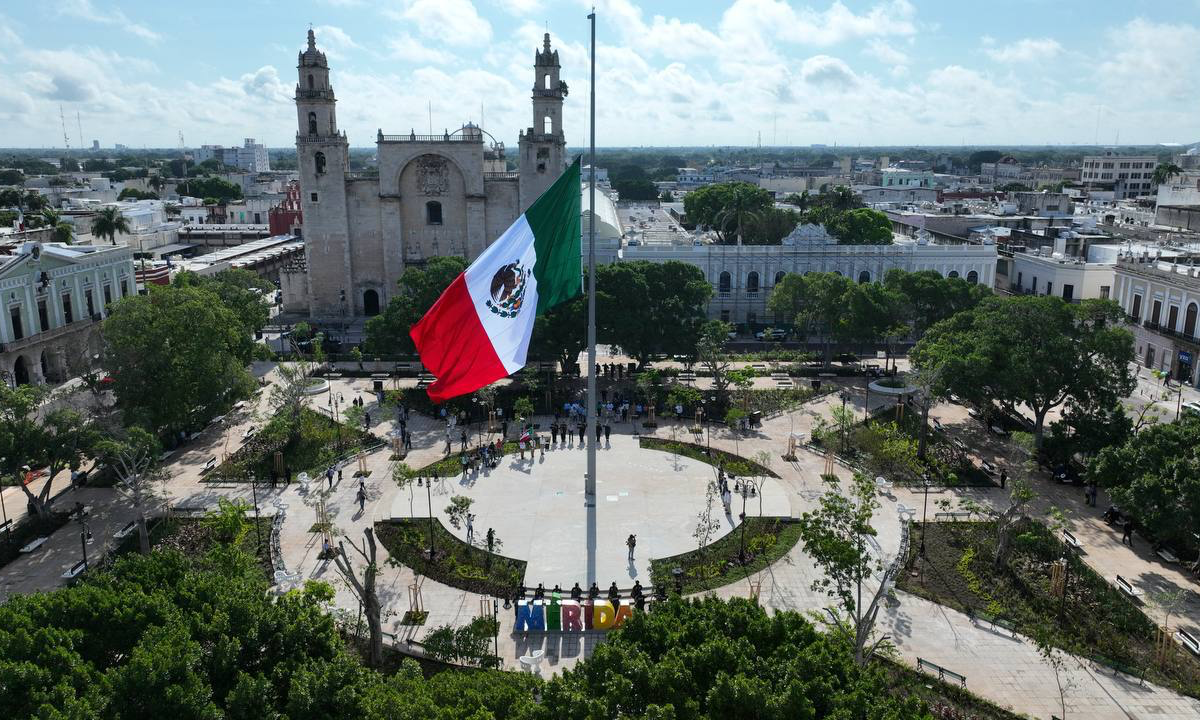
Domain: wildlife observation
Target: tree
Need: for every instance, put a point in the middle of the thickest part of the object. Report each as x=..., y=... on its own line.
x=241, y=291
x=666, y=197
x=863, y=226
x=108, y=223
x=57, y=442
x=1164, y=172
x=133, y=455
x=364, y=589
x=418, y=289
x=131, y=193
x=710, y=350
x=11, y=176
x=1155, y=476
x=650, y=308
x=726, y=207
x=930, y=298
x=1033, y=352
x=470, y=643
x=174, y=357
x=561, y=333
x=635, y=190
x=817, y=301
x=835, y=536
x=220, y=190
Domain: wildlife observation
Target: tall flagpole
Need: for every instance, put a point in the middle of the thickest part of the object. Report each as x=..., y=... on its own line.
x=590, y=480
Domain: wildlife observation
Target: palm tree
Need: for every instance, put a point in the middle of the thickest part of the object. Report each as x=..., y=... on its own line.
x=1164, y=172
x=741, y=206
x=156, y=183
x=63, y=231
x=108, y=222
x=843, y=198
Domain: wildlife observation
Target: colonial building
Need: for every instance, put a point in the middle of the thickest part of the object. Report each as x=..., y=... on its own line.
x=54, y=296
x=1162, y=301
x=433, y=195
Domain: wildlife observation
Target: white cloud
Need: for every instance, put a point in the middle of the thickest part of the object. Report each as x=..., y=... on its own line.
x=1151, y=59
x=829, y=71
x=334, y=41
x=84, y=10
x=406, y=47
x=520, y=7
x=776, y=19
x=453, y=22
x=885, y=52
x=1024, y=50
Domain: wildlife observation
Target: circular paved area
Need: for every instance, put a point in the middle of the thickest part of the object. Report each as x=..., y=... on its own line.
x=538, y=510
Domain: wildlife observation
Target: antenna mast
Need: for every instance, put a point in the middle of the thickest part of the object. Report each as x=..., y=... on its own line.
x=63, y=119
x=79, y=125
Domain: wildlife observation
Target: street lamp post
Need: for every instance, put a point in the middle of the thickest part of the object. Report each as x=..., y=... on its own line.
x=924, y=510
x=429, y=501
x=842, y=421
x=257, y=531
x=85, y=537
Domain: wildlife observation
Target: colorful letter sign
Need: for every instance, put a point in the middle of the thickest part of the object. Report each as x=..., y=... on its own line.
x=571, y=616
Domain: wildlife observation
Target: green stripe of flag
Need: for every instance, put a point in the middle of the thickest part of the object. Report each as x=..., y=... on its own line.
x=554, y=219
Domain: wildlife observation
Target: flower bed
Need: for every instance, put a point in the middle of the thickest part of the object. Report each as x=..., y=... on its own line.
x=314, y=448
x=733, y=464
x=455, y=563
x=766, y=540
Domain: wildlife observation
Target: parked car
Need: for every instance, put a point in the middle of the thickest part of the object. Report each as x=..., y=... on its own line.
x=772, y=334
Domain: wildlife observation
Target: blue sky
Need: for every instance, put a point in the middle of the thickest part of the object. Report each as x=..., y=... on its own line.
x=927, y=72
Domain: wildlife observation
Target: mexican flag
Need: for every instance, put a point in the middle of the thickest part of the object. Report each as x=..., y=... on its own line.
x=478, y=330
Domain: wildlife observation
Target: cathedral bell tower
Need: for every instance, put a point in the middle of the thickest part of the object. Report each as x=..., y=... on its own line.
x=322, y=157
x=542, y=146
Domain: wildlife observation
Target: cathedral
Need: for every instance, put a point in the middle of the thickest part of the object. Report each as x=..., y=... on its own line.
x=448, y=194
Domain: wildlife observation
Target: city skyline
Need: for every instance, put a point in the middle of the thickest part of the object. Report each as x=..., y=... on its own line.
x=854, y=73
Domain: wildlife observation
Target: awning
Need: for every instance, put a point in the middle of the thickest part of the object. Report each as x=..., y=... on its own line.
x=161, y=252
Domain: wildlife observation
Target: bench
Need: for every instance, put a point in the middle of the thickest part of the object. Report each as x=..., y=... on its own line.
x=937, y=424
x=1124, y=586
x=1189, y=641
x=74, y=571
x=34, y=544
x=999, y=431
x=1072, y=541
x=6, y=525
x=209, y=465
x=249, y=431
x=988, y=467
x=943, y=674
x=125, y=531
x=997, y=622
x=959, y=445
x=954, y=516
x=1167, y=555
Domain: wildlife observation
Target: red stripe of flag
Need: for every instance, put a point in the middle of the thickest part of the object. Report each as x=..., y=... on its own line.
x=454, y=347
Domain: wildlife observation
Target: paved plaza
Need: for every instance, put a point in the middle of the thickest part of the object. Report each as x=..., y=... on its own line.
x=538, y=510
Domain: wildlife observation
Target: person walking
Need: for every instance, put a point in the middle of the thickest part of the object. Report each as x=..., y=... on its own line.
x=491, y=539
x=1127, y=537
x=1003, y=478
x=447, y=453
x=287, y=475
x=607, y=433
x=470, y=527
x=362, y=499
x=554, y=432
x=631, y=543
x=504, y=429
x=599, y=432
x=329, y=476
x=407, y=441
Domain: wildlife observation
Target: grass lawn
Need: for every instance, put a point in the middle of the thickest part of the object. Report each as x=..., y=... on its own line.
x=318, y=444
x=767, y=539
x=455, y=563
x=1097, y=622
x=195, y=536
x=733, y=464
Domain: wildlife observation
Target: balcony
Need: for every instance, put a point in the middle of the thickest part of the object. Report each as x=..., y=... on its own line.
x=444, y=138
x=1168, y=332
x=52, y=334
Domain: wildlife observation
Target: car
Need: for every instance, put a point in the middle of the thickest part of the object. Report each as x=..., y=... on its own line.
x=771, y=334
x=1192, y=408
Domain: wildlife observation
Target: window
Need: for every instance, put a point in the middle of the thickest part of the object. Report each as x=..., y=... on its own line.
x=1157, y=312
x=18, y=331
x=972, y=277
x=864, y=277
x=125, y=290
x=546, y=81
x=752, y=283
x=1049, y=288
x=312, y=123
x=43, y=316
x=433, y=213
x=1105, y=290
x=724, y=282
x=91, y=306
x=1019, y=280
x=1189, y=321
x=312, y=196
x=319, y=163
x=1068, y=292
x=1136, y=312
x=778, y=277
x=1034, y=285
x=310, y=81
x=547, y=125
x=107, y=294
x=66, y=301
x=953, y=274
x=1172, y=317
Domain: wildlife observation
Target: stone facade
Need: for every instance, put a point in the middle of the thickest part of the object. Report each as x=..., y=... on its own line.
x=54, y=297
x=1162, y=302
x=434, y=195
